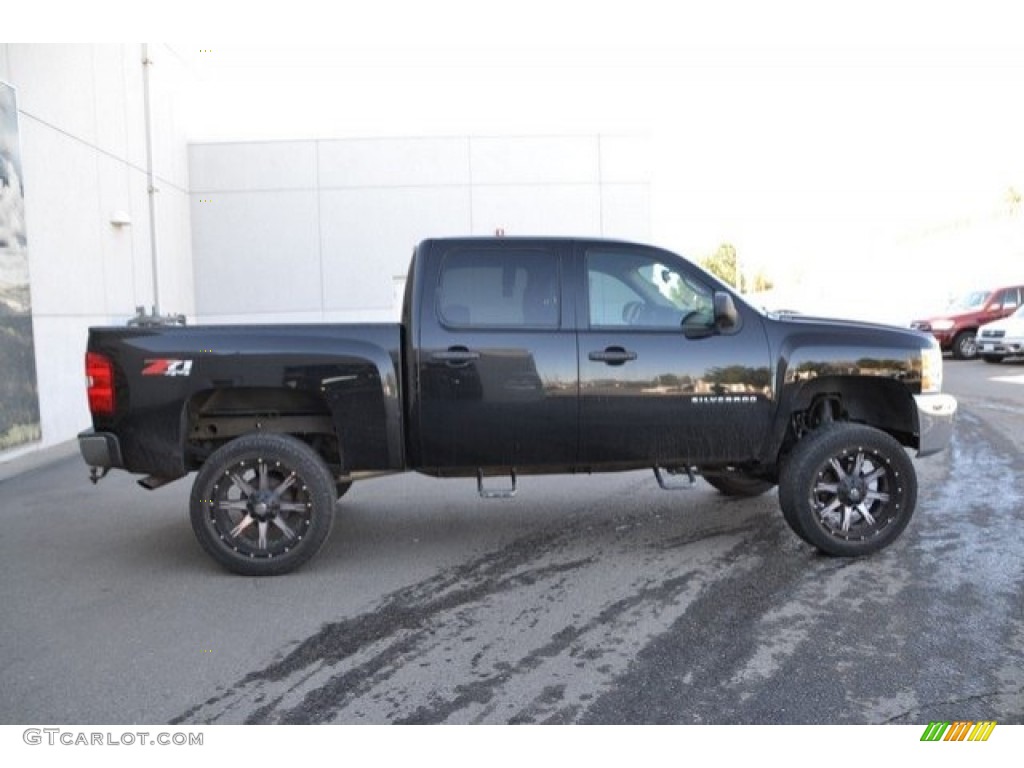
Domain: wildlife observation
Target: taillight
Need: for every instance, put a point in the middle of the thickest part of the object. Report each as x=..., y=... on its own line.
x=99, y=378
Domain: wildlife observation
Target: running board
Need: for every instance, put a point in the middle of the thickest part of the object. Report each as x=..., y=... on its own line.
x=667, y=485
x=495, y=493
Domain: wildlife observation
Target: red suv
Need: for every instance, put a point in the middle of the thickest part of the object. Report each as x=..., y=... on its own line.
x=955, y=329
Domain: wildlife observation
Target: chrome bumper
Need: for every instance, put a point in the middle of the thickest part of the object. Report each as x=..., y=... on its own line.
x=1000, y=346
x=935, y=422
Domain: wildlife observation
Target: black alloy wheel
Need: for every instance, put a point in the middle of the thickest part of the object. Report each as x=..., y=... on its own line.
x=263, y=504
x=848, y=489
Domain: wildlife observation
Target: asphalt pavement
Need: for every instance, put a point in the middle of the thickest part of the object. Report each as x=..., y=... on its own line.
x=584, y=600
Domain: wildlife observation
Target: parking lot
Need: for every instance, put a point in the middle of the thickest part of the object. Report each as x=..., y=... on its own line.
x=585, y=599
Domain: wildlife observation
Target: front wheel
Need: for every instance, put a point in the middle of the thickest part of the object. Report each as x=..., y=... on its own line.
x=848, y=489
x=965, y=346
x=263, y=504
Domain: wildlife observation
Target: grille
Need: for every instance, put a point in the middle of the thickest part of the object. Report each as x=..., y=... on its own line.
x=993, y=334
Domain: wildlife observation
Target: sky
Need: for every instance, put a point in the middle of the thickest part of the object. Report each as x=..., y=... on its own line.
x=844, y=149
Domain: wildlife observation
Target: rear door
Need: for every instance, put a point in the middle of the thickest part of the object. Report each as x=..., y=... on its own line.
x=497, y=358
x=657, y=384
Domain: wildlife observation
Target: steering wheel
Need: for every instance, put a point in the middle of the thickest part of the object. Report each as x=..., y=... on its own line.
x=632, y=311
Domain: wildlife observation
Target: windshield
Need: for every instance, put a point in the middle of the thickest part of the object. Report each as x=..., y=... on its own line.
x=972, y=300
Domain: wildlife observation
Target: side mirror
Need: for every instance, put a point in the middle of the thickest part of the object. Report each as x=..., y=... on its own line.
x=726, y=316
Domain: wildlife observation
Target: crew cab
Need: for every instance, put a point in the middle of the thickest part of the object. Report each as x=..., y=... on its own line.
x=956, y=329
x=515, y=357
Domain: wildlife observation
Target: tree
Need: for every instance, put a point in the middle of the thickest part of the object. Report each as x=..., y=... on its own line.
x=761, y=283
x=724, y=264
x=1013, y=200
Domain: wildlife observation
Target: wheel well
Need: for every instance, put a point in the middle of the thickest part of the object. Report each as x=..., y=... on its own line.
x=217, y=416
x=885, y=404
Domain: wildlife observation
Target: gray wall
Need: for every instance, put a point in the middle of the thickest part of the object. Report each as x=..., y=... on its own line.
x=307, y=231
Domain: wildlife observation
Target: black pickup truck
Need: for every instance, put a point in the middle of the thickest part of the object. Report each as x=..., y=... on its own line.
x=516, y=357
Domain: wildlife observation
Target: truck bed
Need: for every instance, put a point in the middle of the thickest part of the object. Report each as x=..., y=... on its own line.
x=193, y=387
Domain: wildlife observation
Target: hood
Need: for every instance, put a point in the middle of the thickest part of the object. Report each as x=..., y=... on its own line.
x=953, y=316
x=1010, y=323
x=836, y=322
x=860, y=334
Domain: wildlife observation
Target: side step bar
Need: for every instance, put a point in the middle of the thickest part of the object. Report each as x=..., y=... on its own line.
x=666, y=477
x=495, y=493
x=662, y=474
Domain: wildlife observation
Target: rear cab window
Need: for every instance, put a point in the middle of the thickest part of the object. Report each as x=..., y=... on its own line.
x=507, y=288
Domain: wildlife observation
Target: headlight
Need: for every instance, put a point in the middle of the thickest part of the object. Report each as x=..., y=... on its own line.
x=931, y=370
x=942, y=325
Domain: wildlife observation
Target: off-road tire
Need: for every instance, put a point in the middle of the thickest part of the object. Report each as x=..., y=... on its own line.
x=263, y=504
x=848, y=489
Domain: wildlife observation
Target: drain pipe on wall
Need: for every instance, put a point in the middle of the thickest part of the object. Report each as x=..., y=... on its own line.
x=147, y=64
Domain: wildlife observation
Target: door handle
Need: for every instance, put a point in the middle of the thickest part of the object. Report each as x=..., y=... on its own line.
x=612, y=356
x=455, y=356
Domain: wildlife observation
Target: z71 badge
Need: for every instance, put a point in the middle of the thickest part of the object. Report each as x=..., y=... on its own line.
x=167, y=368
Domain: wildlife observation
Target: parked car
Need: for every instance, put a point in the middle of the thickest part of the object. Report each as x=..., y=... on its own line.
x=1003, y=338
x=517, y=357
x=956, y=329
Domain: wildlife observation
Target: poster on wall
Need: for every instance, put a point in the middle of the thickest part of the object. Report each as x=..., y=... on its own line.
x=19, y=397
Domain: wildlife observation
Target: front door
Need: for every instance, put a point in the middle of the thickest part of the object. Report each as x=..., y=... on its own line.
x=657, y=383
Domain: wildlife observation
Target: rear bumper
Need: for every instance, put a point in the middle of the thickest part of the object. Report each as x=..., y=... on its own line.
x=935, y=420
x=100, y=449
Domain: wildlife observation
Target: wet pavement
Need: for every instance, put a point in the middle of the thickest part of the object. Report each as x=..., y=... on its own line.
x=586, y=599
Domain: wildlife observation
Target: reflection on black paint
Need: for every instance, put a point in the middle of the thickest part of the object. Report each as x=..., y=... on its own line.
x=507, y=375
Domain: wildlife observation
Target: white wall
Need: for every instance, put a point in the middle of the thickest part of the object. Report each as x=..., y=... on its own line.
x=82, y=126
x=306, y=231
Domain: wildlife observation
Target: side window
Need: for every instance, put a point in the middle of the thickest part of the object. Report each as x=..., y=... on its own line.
x=1012, y=298
x=634, y=289
x=482, y=288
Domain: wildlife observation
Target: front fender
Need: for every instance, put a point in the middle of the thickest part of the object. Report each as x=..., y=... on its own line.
x=874, y=383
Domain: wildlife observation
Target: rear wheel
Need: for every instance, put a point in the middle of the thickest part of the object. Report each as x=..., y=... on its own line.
x=731, y=483
x=848, y=489
x=263, y=504
x=965, y=346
